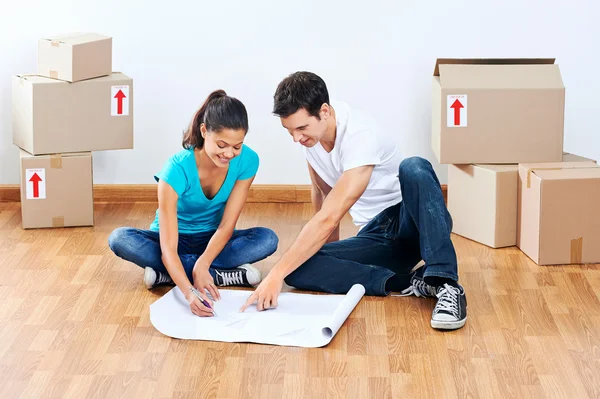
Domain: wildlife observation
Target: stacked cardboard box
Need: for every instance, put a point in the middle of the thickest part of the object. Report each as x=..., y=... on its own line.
x=499, y=125
x=73, y=105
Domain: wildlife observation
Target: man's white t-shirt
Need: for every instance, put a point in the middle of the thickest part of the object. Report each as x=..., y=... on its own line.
x=360, y=141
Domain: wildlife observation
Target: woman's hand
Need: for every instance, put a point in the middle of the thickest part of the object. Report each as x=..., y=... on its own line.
x=203, y=280
x=197, y=307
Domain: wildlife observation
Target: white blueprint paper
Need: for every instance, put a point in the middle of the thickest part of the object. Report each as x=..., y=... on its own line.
x=303, y=320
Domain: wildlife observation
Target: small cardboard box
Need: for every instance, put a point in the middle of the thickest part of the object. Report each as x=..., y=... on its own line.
x=56, y=190
x=52, y=116
x=75, y=57
x=499, y=111
x=482, y=200
x=558, y=212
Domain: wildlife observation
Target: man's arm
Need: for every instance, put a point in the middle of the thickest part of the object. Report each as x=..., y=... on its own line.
x=344, y=194
x=319, y=192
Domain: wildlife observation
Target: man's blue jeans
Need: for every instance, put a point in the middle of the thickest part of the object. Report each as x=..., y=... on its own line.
x=397, y=239
x=142, y=247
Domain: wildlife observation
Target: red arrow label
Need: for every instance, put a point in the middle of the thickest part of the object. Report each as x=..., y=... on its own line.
x=120, y=96
x=457, y=106
x=35, y=179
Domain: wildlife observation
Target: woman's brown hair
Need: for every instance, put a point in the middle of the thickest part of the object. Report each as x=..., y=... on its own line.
x=218, y=112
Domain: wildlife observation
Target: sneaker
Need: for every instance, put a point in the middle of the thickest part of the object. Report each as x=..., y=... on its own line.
x=153, y=279
x=450, y=312
x=243, y=276
x=419, y=288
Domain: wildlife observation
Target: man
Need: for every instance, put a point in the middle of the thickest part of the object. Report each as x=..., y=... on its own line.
x=397, y=204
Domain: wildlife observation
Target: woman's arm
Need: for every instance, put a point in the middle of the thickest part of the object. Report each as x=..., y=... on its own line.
x=232, y=212
x=169, y=239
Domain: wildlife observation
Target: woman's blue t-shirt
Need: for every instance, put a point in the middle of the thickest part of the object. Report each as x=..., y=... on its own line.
x=195, y=212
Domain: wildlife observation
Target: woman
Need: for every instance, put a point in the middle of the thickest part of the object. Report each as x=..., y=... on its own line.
x=201, y=192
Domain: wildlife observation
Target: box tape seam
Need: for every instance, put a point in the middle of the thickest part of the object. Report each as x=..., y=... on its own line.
x=576, y=250
x=56, y=161
x=58, y=221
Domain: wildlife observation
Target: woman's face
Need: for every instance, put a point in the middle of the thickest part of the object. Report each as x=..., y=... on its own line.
x=221, y=147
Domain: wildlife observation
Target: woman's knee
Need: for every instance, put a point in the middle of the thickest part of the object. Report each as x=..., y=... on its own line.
x=117, y=238
x=267, y=239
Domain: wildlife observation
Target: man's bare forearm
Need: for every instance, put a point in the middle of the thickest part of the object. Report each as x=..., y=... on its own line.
x=317, y=197
x=311, y=238
x=335, y=235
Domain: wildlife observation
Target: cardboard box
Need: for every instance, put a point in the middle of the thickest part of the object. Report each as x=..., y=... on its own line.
x=499, y=111
x=559, y=215
x=51, y=116
x=57, y=190
x=75, y=57
x=482, y=200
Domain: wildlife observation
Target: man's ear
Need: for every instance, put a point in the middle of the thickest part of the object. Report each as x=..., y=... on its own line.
x=325, y=110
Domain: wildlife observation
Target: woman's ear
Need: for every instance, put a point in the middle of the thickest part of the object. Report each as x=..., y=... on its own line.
x=203, y=130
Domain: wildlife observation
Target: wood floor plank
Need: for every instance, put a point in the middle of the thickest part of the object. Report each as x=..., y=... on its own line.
x=74, y=322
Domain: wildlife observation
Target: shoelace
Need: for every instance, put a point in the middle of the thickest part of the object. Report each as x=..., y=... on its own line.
x=162, y=278
x=233, y=277
x=448, y=300
x=419, y=288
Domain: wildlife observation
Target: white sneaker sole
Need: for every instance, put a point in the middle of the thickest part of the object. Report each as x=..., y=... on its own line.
x=149, y=277
x=448, y=325
x=253, y=275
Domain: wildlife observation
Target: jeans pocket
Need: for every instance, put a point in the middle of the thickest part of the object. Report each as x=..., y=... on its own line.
x=387, y=229
x=378, y=227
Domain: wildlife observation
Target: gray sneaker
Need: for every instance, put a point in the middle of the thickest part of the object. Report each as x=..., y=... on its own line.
x=242, y=276
x=153, y=279
x=450, y=312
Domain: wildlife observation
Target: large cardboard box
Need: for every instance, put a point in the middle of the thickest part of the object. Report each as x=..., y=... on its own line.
x=51, y=116
x=57, y=190
x=559, y=215
x=482, y=200
x=499, y=111
x=75, y=57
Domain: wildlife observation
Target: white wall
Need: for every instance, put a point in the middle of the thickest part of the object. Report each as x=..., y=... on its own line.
x=376, y=55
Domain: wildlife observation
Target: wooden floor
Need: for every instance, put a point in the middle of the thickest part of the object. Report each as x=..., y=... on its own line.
x=74, y=323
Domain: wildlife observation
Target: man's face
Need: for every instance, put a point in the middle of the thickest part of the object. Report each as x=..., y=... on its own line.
x=306, y=129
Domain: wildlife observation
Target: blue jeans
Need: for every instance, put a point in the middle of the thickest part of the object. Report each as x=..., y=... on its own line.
x=142, y=247
x=393, y=243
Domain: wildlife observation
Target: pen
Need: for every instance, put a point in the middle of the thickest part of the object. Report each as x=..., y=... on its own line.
x=204, y=302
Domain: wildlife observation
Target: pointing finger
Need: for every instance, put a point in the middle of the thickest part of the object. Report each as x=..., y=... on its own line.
x=251, y=299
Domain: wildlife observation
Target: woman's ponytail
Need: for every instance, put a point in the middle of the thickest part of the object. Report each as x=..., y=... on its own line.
x=218, y=112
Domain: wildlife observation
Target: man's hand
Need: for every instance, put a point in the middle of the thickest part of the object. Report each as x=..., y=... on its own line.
x=203, y=280
x=266, y=293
